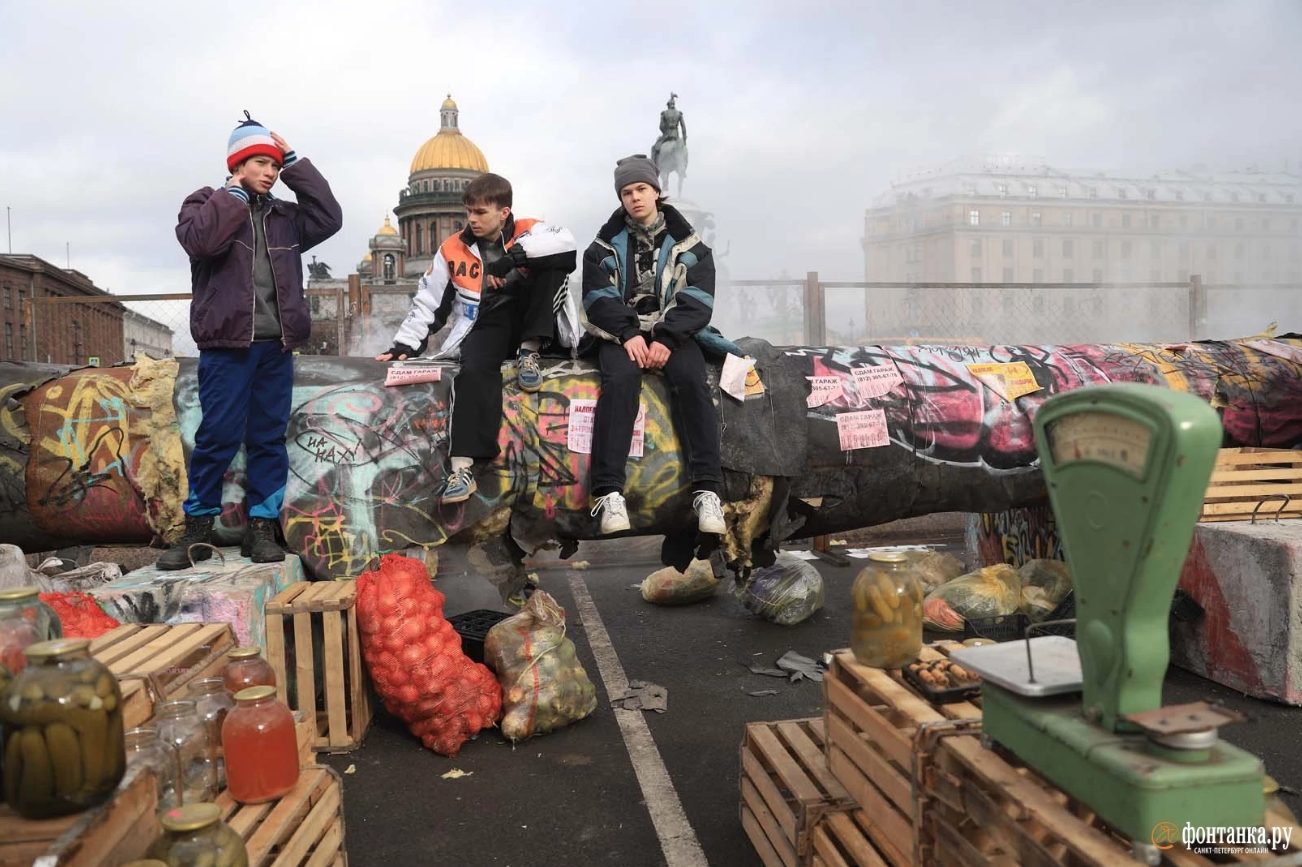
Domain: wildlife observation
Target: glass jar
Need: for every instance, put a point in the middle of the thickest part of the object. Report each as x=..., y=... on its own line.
x=180, y=726
x=886, y=628
x=195, y=835
x=246, y=668
x=24, y=621
x=62, y=720
x=146, y=749
x=261, y=747
x=213, y=702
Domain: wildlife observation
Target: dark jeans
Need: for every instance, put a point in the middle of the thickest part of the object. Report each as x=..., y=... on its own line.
x=695, y=418
x=245, y=396
x=506, y=318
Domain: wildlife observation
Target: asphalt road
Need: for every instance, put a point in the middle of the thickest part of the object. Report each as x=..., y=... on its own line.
x=579, y=796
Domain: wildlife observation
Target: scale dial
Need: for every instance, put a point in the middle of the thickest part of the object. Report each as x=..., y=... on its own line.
x=1103, y=438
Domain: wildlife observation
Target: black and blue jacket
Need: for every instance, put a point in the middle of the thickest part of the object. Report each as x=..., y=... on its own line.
x=684, y=271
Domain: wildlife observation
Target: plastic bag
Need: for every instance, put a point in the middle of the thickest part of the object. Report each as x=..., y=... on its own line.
x=544, y=686
x=79, y=614
x=89, y=577
x=668, y=586
x=988, y=592
x=934, y=568
x=1045, y=583
x=415, y=659
x=14, y=571
x=787, y=592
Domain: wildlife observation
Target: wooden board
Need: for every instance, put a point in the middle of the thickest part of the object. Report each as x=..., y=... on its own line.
x=785, y=788
x=155, y=662
x=305, y=827
x=1248, y=481
x=328, y=610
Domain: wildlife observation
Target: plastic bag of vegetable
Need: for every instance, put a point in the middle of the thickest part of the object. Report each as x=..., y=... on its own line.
x=668, y=586
x=415, y=659
x=787, y=593
x=935, y=568
x=1045, y=583
x=988, y=592
x=544, y=686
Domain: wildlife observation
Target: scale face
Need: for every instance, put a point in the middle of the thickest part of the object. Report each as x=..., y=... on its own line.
x=1103, y=438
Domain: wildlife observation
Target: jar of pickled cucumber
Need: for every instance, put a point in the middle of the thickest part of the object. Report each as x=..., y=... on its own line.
x=195, y=835
x=886, y=629
x=62, y=721
x=24, y=621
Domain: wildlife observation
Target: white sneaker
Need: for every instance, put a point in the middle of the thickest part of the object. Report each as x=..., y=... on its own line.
x=614, y=513
x=709, y=513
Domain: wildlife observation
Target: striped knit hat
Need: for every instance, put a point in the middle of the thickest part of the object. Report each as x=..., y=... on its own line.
x=251, y=139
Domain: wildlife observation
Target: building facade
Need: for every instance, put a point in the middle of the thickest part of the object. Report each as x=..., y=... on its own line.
x=429, y=208
x=142, y=334
x=1000, y=220
x=38, y=326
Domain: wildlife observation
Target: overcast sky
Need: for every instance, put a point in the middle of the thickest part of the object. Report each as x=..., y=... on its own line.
x=799, y=114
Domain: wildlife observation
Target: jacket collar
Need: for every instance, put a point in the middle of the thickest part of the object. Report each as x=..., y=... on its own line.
x=508, y=232
x=675, y=224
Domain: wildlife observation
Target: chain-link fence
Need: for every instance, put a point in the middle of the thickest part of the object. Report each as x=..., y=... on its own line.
x=110, y=329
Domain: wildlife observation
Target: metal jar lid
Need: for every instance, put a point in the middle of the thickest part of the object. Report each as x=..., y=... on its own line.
x=18, y=594
x=56, y=648
x=191, y=817
x=255, y=693
x=248, y=651
x=888, y=556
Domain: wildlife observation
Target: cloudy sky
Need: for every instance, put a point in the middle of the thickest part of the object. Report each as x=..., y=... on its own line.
x=799, y=115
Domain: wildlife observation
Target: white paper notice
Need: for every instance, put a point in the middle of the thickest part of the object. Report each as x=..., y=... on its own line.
x=872, y=382
x=823, y=389
x=400, y=374
x=579, y=438
x=732, y=380
x=1277, y=348
x=862, y=430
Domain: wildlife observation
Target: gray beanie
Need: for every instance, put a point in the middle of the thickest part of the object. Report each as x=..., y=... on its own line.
x=636, y=169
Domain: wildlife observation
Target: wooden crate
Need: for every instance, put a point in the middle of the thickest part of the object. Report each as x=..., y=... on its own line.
x=985, y=808
x=154, y=662
x=329, y=608
x=305, y=827
x=844, y=840
x=111, y=834
x=785, y=788
x=1267, y=482
x=878, y=729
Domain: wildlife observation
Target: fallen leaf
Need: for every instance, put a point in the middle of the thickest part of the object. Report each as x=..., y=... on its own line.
x=580, y=564
x=351, y=769
x=763, y=692
x=456, y=774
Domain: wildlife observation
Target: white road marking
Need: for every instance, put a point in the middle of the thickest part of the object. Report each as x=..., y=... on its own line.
x=677, y=839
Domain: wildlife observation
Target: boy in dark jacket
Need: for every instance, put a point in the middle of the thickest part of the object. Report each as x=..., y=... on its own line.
x=247, y=315
x=648, y=290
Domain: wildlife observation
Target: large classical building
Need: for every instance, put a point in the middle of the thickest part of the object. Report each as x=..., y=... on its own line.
x=1001, y=220
x=56, y=315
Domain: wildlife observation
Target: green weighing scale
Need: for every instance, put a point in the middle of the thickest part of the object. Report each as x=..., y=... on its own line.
x=1127, y=468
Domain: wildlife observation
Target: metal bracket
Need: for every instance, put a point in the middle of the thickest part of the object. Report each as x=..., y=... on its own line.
x=1264, y=497
x=1030, y=666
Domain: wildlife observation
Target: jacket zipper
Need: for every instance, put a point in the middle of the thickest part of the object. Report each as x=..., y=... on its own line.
x=274, y=288
x=253, y=283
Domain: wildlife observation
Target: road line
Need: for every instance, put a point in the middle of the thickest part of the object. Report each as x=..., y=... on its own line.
x=677, y=839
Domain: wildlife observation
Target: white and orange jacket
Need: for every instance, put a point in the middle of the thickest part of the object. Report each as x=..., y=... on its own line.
x=450, y=291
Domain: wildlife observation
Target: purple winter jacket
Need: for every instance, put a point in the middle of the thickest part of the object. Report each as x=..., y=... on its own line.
x=216, y=229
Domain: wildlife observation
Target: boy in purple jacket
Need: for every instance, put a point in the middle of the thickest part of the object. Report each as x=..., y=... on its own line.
x=247, y=315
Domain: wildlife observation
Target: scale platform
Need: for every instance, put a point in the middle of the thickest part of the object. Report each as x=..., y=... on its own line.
x=1048, y=665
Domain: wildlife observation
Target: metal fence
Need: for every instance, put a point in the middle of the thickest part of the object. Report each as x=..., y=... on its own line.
x=784, y=312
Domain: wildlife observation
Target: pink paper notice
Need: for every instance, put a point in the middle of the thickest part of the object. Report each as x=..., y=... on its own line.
x=872, y=382
x=823, y=389
x=400, y=375
x=579, y=438
x=862, y=430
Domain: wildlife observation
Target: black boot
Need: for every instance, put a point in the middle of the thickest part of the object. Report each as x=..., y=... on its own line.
x=198, y=529
x=260, y=543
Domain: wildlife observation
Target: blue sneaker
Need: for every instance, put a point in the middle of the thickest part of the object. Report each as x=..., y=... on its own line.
x=528, y=373
x=461, y=484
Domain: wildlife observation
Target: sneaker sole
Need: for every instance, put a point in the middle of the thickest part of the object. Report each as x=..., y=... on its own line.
x=717, y=528
x=621, y=527
x=457, y=498
x=532, y=389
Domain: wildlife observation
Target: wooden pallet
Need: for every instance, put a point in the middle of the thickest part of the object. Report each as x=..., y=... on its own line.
x=785, y=788
x=154, y=662
x=113, y=833
x=874, y=719
x=305, y=827
x=844, y=840
x=1245, y=482
x=330, y=609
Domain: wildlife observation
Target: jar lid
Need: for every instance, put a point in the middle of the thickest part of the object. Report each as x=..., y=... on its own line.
x=56, y=648
x=14, y=594
x=191, y=817
x=255, y=693
x=888, y=556
x=246, y=652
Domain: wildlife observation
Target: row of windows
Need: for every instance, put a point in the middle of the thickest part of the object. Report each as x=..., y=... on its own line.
x=1032, y=191
x=1099, y=249
x=1151, y=221
x=439, y=185
x=416, y=237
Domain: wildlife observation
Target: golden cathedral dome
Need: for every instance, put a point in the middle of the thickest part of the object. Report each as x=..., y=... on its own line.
x=449, y=149
x=387, y=228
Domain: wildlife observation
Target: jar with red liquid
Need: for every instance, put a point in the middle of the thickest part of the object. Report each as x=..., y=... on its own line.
x=245, y=667
x=261, y=746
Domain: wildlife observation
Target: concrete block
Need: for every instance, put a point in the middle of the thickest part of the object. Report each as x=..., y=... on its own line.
x=1248, y=579
x=235, y=591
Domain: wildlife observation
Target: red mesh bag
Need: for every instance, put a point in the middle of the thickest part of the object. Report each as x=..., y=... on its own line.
x=415, y=659
x=79, y=614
